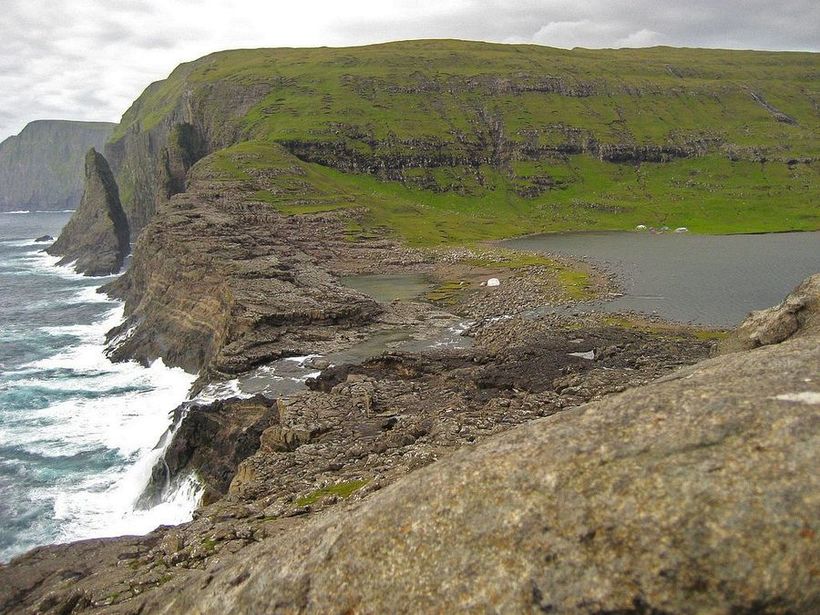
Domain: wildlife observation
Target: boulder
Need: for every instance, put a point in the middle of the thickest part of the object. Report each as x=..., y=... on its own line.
x=96, y=239
x=796, y=315
x=44, y=239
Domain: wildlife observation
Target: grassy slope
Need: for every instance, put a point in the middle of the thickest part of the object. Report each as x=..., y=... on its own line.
x=655, y=96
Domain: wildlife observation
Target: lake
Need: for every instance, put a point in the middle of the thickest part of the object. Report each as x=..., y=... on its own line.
x=705, y=279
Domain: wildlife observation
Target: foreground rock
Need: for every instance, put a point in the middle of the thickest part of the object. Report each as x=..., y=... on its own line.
x=96, y=239
x=278, y=463
x=696, y=494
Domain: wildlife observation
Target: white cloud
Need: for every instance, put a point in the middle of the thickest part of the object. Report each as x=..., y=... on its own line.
x=641, y=38
x=89, y=59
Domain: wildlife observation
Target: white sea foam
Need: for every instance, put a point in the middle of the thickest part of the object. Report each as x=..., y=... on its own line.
x=122, y=408
x=21, y=243
x=42, y=263
x=42, y=211
x=90, y=295
x=221, y=390
x=302, y=360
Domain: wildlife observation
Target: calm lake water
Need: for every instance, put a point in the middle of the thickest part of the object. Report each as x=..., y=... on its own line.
x=704, y=279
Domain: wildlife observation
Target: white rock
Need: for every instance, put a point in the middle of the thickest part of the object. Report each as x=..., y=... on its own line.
x=640, y=227
x=804, y=397
x=493, y=282
x=590, y=356
x=681, y=229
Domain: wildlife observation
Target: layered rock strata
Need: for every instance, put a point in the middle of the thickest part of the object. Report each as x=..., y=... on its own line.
x=220, y=283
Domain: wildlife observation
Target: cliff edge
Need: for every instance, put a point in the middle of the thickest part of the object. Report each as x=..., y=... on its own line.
x=96, y=238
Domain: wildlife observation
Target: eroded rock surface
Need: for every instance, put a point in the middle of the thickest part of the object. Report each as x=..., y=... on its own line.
x=686, y=496
x=96, y=239
x=221, y=283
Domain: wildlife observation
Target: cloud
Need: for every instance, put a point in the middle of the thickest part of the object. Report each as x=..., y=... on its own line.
x=89, y=59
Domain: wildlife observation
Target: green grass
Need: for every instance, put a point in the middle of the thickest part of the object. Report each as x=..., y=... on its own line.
x=637, y=324
x=446, y=98
x=576, y=284
x=706, y=195
x=342, y=490
x=447, y=293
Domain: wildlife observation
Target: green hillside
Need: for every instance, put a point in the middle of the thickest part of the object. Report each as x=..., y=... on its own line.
x=448, y=141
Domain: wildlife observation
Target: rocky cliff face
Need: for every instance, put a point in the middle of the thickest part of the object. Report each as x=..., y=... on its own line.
x=151, y=161
x=97, y=238
x=220, y=282
x=42, y=167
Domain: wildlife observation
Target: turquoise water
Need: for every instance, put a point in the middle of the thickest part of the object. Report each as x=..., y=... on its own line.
x=77, y=432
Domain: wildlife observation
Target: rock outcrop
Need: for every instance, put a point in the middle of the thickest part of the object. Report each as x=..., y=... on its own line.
x=696, y=494
x=42, y=167
x=97, y=238
x=222, y=282
x=797, y=316
x=210, y=441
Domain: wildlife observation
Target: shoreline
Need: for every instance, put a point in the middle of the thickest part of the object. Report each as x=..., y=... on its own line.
x=71, y=377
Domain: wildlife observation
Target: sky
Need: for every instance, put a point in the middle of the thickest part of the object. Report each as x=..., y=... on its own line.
x=89, y=59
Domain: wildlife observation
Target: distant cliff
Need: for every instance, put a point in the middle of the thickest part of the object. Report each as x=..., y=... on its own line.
x=42, y=167
x=96, y=238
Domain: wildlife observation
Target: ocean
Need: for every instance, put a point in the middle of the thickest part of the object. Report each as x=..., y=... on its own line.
x=78, y=433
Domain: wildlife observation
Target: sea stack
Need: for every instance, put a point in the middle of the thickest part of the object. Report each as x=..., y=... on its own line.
x=97, y=236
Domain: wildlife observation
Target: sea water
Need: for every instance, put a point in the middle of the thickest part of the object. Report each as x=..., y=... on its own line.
x=78, y=433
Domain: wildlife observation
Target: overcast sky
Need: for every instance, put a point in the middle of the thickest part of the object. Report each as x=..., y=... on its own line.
x=89, y=59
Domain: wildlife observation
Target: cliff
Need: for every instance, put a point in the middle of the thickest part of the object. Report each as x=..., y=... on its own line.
x=42, y=167
x=221, y=282
x=402, y=485
x=96, y=239
x=501, y=139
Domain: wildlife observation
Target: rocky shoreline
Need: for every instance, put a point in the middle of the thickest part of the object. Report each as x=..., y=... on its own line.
x=303, y=466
